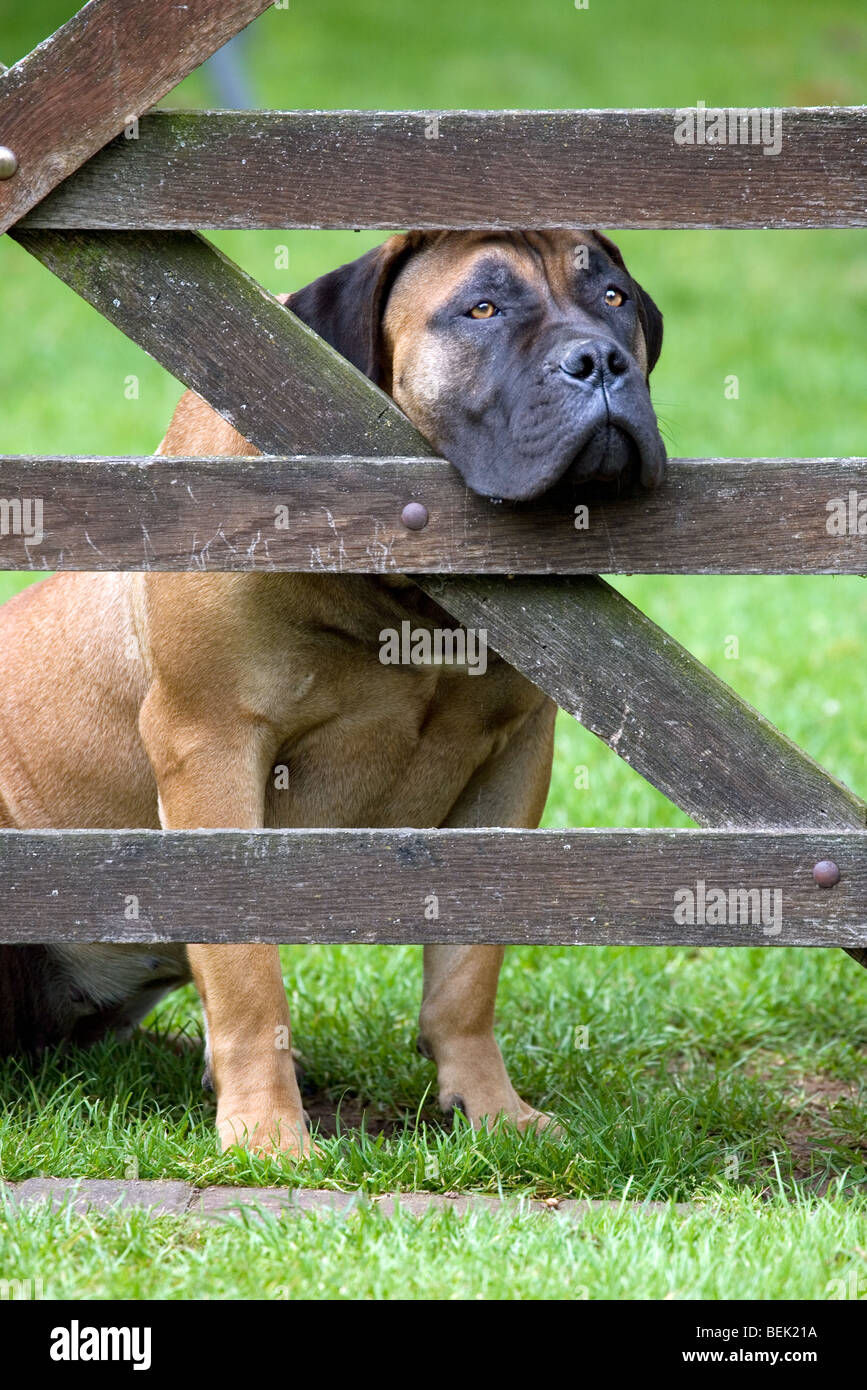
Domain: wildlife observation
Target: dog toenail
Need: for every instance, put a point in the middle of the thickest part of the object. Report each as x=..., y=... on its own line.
x=452, y=1105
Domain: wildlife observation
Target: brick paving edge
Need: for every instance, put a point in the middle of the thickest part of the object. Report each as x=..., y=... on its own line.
x=164, y=1198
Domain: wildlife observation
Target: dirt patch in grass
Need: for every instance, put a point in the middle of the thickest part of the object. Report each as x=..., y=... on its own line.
x=820, y=1121
x=819, y=1118
x=349, y=1112
x=820, y=1125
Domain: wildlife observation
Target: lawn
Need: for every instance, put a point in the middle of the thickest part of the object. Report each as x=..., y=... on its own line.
x=732, y=1079
x=738, y=1249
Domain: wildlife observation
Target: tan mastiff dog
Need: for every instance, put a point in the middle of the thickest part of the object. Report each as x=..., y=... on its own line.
x=148, y=700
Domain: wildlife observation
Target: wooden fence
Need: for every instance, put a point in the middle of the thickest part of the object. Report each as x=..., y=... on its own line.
x=111, y=204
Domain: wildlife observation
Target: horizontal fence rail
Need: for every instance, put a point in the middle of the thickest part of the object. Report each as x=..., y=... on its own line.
x=795, y=167
x=573, y=887
x=343, y=514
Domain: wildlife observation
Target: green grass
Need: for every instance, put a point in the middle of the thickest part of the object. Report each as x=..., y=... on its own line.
x=731, y=1078
x=813, y=1250
x=701, y=1071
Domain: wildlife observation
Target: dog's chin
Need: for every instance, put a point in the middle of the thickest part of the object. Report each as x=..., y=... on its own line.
x=614, y=456
x=609, y=454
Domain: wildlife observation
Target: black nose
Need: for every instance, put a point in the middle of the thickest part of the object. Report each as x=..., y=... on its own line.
x=592, y=360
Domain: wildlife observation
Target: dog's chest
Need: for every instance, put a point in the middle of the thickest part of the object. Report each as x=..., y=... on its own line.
x=389, y=717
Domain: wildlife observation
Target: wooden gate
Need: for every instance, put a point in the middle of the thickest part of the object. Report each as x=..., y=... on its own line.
x=112, y=203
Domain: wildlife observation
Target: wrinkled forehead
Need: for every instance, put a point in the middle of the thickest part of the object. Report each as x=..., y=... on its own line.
x=549, y=260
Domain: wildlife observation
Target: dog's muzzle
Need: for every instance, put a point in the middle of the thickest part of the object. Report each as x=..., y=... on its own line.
x=616, y=431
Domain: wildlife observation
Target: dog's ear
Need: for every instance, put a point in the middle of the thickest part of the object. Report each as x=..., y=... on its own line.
x=651, y=322
x=649, y=313
x=345, y=307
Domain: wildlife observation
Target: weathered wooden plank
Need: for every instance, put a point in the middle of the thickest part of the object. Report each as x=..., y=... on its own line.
x=221, y=333
x=79, y=88
x=650, y=700
x=597, y=887
x=343, y=515
x=470, y=169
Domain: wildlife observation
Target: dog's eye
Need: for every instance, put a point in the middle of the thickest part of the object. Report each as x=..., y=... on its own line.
x=614, y=297
x=483, y=310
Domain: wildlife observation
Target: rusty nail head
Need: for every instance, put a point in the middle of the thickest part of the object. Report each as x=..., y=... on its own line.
x=415, y=516
x=826, y=873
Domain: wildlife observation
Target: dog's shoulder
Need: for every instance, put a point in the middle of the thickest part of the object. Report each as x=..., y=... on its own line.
x=196, y=430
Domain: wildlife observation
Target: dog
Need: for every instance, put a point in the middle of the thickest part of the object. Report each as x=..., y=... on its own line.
x=168, y=700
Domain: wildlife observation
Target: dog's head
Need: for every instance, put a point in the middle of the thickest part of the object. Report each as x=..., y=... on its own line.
x=522, y=356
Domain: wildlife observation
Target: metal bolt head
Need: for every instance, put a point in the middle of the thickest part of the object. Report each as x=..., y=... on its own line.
x=415, y=516
x=826, y=873
x=8, y=162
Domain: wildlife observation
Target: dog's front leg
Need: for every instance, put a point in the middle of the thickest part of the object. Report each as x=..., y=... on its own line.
x=456, y=1026
x=214, y=777
x=457, y=1032
x=250, y=1057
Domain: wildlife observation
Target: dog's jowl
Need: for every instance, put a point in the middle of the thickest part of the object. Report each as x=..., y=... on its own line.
x=263, y=699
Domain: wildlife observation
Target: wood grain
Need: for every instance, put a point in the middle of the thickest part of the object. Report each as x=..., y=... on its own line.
x=483, y=169
x=79, y=88
x=590, y=887
x=711, y=516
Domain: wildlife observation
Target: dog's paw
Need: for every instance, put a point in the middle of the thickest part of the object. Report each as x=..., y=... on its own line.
x=271, y=1133
x=513, y=1112
x=527, y=1119
x=473, y=1080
